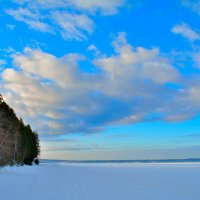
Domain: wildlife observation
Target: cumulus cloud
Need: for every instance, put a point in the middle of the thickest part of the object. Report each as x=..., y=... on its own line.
x=132, y=85
x=186, y=31
x=94, y=49
x=72, y=19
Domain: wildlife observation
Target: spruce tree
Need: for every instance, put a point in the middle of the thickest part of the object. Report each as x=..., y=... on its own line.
x=19, y=145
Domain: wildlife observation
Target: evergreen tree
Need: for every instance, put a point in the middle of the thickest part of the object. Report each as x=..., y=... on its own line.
x=19, y=145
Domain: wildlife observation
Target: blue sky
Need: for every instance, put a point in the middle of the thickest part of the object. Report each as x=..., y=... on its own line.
x=116, y=79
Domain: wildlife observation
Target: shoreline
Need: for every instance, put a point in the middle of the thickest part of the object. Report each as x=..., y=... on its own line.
x=125, y=165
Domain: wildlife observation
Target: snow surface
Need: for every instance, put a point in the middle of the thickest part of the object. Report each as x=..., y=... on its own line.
x=101, y=182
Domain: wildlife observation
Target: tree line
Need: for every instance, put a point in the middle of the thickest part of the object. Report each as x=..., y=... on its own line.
x=19, y=144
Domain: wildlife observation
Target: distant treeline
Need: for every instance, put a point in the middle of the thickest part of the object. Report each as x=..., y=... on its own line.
x=19, y=145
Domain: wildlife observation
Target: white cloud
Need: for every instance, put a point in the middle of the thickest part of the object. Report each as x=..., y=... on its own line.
x=193, y=5
x=2, y=62
x=33, y=20
x=71, y=18
x=104, y=6
x=196, y=58
x=186, y=103
x=186, y=31
x=59, y=70
x=44, y=4
x=129, y=87
x=10, y=27
x=142, y=66
x=73, y=25
x=94, y=49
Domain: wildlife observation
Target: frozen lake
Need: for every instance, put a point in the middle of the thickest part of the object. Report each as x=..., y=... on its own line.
x=101, y=182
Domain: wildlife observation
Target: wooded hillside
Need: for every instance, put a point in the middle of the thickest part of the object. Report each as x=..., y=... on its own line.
x=19, y=145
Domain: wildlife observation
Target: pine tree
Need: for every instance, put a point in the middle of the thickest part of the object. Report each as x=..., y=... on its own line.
x=19, y=145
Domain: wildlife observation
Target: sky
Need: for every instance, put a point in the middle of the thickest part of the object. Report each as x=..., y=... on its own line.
x=117, y=79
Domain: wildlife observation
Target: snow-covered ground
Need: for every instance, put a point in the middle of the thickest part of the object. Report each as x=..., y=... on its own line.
x=101, y=182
